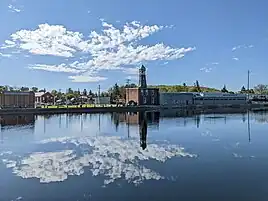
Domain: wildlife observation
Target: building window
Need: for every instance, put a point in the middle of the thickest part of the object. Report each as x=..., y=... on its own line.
x=152, y=92
x=153, y=100
x=144, y=100
x=146, y=92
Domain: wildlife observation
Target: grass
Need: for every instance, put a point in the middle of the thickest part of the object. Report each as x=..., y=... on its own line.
x=78, y=106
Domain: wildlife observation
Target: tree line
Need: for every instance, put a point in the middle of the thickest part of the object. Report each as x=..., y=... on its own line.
x=118, y=91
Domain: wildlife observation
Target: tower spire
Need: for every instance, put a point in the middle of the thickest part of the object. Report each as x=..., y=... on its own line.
x=142, y=77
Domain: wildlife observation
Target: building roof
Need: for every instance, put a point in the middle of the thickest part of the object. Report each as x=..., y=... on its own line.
x=38, y=94
x=220, y=94
x=143, y=68
x=17, y=92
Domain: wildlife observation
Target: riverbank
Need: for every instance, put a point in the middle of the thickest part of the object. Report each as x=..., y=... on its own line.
x=254, y=107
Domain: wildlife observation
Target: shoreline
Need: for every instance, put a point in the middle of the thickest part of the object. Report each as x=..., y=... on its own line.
x=253, y=107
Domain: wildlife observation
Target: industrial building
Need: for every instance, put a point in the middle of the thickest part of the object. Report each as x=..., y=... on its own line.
x=17, y=99
x=171, y=98
x=188, y=99
x=220, y=99
x=142, y=95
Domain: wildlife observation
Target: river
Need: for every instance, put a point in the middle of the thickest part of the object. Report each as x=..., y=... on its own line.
x=134, y=156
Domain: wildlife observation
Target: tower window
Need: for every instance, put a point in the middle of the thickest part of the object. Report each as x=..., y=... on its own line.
x=144, y=100
x=146, y=92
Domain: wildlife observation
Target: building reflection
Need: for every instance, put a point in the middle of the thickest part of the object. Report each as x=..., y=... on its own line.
x=143, y=130
x=8, y=122
x=142, y=119
x=20, y=120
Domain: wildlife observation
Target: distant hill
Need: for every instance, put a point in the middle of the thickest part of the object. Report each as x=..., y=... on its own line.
x=181, y=88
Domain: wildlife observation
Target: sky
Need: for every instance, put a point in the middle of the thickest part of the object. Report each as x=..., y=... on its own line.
x=85, y=43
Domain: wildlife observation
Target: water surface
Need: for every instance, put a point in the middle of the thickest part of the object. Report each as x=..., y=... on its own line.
x=135, y=156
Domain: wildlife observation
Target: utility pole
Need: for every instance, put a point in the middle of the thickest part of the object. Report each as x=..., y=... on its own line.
x=128, y=81
x=99, y=94
x=248, y=86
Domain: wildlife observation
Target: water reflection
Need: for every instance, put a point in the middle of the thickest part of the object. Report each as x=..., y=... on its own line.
x=174, y=150
x=142, y=119
x=8, y=121
x=114, y=157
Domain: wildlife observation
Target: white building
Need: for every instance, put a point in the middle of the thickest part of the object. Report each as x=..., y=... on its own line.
x=102, y=100
x=194, y=98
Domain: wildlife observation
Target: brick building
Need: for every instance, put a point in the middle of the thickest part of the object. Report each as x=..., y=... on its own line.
x=142, y=95
x=44, y=97
x=10, y=99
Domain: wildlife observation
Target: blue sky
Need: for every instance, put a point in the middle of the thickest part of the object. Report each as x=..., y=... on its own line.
x=60, y=44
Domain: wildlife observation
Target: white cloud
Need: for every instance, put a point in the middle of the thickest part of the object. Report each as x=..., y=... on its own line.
x=131, y=71
x=235, y=58
x=13, y=9
x=206, y=69
x=209, y=67
x=5, y=55
x=132, y=77
x=111, y=49
x=242, y=46
x=215, y=63
x=112, y=158
x=165, y=63
x=60, y=68
x=86, y=78
x=8, y=44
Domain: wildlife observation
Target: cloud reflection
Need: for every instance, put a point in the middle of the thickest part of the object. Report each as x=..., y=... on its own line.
x=112, y=157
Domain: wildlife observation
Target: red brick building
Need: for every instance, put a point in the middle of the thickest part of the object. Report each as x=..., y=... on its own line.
x=44, y=97
x=142, y=95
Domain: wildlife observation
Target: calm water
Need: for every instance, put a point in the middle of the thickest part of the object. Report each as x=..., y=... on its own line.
x=144, y=156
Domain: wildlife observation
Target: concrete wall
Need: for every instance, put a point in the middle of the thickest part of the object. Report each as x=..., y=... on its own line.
x=176, y=98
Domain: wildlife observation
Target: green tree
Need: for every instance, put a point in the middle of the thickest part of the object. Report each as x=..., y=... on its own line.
x=35, y=89
x=224, y=90
x=261, y=89
x=251, y=91
x=24, y=89
x=90, y=93
x=185, y=87
x=198, y=89
x=84, y=92
x=70, y=91
x=2, y=88
x=243, y=90
x=54, y=92
x=69, y=96
x=42, y=90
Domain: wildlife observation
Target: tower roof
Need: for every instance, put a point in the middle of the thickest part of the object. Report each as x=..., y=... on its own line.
x=143, y=68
